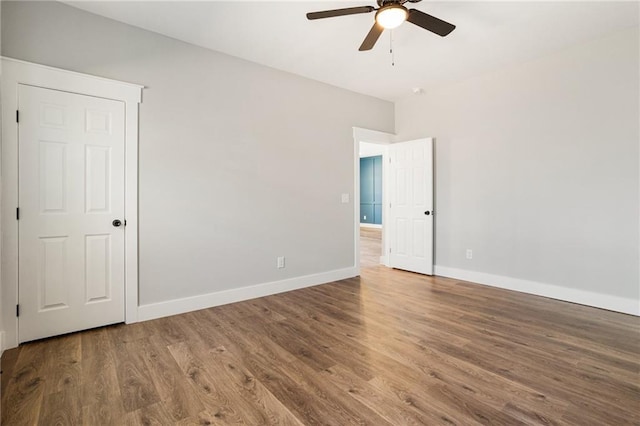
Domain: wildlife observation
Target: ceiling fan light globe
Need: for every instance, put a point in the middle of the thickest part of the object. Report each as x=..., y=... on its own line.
x=392, y=16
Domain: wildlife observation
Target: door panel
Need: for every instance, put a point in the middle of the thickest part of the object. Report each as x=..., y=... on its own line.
x=53, y=270
x=53, y=170
x=97, y=161
x=71, y=187
x=411, y=198
x=97, y=267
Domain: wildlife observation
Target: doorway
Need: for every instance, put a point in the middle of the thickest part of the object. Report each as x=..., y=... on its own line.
x=372, y=179
x=101, y=107
x=407, y=233
x=369, y=238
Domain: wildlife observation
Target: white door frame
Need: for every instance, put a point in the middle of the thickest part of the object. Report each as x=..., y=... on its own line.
x=16, y=72
x=382, y=138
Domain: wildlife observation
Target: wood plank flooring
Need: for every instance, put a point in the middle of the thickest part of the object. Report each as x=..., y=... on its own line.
x=370, y=246
x=389, y=348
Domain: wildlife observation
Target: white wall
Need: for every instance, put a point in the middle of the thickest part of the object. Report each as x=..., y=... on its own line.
x=537, y=170
x=239, y=163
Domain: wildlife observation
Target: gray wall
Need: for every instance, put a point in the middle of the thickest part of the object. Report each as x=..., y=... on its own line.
x=239, y=163
x=537, y=167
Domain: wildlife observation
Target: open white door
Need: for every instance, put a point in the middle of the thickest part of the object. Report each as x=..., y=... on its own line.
x=410, y=222
x=71, y=198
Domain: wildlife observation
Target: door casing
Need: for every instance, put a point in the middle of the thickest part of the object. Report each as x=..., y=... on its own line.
x=16, y=72
x=382, y=138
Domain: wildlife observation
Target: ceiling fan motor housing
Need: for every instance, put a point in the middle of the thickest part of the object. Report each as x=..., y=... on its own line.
x=391, y=15
x=385, y=2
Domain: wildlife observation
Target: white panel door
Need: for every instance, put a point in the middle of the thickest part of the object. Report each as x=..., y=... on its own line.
x=410, y=220
x=71, y=189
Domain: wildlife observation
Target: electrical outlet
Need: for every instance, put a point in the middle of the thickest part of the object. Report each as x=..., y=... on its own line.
x=280, y=262
x=469, y=254
x=344, y=198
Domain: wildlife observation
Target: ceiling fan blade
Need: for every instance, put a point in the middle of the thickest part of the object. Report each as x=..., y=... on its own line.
x=340, y=12
x=372, y=37
x=430, y=23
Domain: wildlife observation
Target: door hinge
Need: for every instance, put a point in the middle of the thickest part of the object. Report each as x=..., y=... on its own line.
x=17, y=310
x=17, y=116
x=17, y=213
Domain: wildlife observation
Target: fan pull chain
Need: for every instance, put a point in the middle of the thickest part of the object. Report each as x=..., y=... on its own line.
x=393, y=60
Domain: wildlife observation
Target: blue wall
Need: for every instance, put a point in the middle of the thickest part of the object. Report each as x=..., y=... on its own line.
x=371, y=190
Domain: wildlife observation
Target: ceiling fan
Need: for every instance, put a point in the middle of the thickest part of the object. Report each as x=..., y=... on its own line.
x=390, y=14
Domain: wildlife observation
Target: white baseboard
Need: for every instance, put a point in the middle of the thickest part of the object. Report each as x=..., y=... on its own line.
x=194, y=303
x=371, y=225
x=582, y=297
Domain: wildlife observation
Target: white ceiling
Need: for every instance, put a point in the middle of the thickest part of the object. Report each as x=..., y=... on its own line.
x=489, y=35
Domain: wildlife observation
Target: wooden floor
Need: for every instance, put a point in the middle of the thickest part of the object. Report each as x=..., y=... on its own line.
x=389, y=348
x=370, y=246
